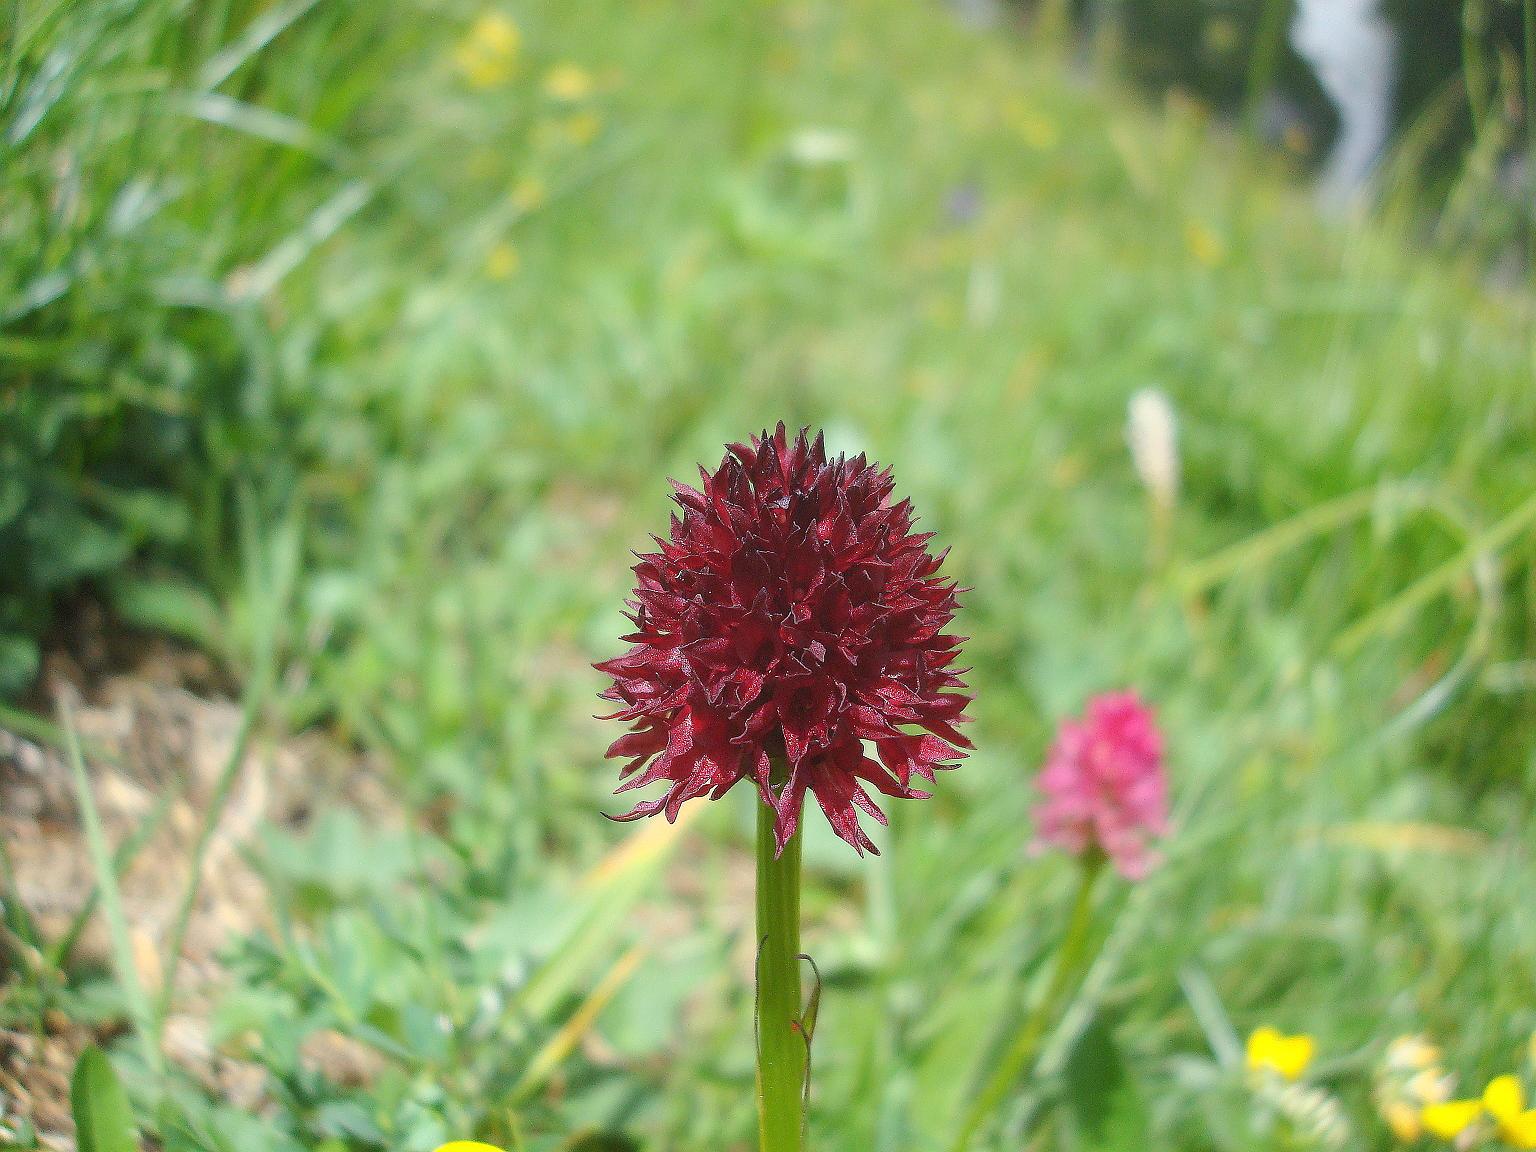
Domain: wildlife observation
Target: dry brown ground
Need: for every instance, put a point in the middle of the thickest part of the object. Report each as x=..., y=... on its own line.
x=161, y=727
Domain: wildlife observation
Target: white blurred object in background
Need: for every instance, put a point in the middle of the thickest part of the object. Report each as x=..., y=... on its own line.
x=1152, y=431
x=1352, y=50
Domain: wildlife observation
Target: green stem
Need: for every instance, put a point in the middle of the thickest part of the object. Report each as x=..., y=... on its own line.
x=1264, y=546
x=753, y=27
x=1528, y=11
x=781, y=1045
x=1267, y=44
x=1069, y=962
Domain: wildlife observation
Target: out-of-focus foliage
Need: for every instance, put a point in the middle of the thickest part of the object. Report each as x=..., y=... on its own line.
x=1452, y=100
x=168, y=168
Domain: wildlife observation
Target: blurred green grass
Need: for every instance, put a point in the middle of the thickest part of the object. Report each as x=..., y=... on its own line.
x=467, y=325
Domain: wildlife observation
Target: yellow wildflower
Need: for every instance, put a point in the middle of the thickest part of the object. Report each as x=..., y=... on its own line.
x=1272, y=1051
x=529, y=194
x=1204, y=244
x=1039, y=131
x=1450, y=1119
x=498, y=31
x=487, y=57
x=568, y=82
x=583, y=127
x=500, y=263
x=1504, y=1100
x=467, y=1146
x=1503, y=1097
x=1520, y=1131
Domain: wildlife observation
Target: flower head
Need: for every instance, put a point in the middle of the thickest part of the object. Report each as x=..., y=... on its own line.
x=1504, y=1100
x=1451, y=1119
x=792, y=616
x=1104, y=785
x=582, y=127
x=1410, y=1080
x=487, y=56
x=1270, y=1050
x=568, y=82
x=1500, y=1111
x=501, y=261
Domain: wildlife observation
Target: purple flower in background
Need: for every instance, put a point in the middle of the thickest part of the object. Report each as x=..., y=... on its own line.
x=1104, y=787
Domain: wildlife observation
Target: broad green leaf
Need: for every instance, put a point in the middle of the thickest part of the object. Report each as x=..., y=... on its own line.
x=103, y=1121
x=1109, y=1113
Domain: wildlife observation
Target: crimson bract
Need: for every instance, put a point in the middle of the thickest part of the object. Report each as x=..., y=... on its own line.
x=792, y=618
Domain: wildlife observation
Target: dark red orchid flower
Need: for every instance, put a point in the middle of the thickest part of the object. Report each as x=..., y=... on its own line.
x=792, y=619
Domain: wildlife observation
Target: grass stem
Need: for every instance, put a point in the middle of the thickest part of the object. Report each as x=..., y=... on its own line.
x=1069, y=963
x=111, y=901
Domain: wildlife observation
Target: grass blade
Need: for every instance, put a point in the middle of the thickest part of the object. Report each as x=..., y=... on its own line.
x=610, y=890
x=322, y=224
x=111, y=898
x=253, y=120
x=1395, y=612
x=257, y=35
x=268, y=593
x=59, y=953
x=1262, y=547
x=564, y=1041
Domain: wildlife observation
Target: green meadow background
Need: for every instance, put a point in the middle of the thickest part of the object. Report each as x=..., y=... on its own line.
x=353, y=344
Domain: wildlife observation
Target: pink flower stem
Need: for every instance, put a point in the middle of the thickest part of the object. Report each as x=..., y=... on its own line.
x=781, y=1043
x=1071, y=958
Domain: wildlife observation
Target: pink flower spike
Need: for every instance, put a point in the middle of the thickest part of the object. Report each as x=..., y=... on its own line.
x=1104, y=787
